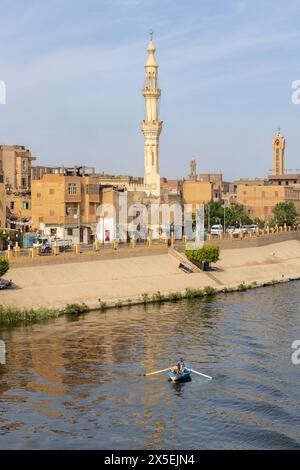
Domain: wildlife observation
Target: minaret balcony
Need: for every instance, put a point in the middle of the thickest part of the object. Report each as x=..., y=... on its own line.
x=151, y=125
x=151, y=92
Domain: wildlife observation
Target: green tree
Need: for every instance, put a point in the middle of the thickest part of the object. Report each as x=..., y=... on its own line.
x=236, y=214
x=4, y=266
x=259, y=222
x=214, y=213
x=205, y=255
x=285, y=213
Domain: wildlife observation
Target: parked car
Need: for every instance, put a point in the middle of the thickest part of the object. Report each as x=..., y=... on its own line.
x=5, y=284
x=45, y=244
x=252, y=228
x=233, y=230
x=216, y=229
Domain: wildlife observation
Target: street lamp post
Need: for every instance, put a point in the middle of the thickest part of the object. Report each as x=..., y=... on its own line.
x=77, y=216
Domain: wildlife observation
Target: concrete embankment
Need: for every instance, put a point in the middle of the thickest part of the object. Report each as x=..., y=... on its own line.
x=115, y=280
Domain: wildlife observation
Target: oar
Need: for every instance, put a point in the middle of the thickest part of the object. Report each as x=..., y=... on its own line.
x=203, y=375
x=157, y=372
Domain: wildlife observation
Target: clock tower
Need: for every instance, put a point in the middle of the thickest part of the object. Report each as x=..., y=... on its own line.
x=279, y=149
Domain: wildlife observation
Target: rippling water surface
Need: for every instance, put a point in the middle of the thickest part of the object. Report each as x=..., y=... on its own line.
x=79, y=384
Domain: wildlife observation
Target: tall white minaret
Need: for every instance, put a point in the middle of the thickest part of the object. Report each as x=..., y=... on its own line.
x=151, y=126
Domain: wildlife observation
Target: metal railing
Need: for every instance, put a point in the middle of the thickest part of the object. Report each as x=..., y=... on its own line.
x=16, y=253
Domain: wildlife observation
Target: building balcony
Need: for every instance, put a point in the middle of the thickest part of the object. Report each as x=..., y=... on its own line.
x=72, y=197
x=58, y=220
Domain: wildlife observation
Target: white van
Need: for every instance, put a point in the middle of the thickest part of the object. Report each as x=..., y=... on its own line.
x=216, y=229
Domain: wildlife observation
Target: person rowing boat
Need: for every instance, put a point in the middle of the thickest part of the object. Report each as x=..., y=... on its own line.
x=180, y=366
x=180, y=373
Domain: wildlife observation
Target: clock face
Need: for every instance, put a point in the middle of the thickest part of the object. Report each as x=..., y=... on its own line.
x=277, y=142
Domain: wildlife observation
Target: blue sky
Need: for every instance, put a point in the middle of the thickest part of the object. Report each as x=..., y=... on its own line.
x=74, y=70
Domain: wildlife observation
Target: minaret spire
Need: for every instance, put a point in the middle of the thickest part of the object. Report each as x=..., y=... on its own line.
x=151, y=126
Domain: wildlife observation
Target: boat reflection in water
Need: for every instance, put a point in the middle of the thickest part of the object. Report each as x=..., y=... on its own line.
x=178, y=387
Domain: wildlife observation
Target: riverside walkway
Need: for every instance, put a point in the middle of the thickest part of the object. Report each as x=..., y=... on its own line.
x=31, y=257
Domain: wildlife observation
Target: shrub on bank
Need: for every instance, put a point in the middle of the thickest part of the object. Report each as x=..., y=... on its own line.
x=174, y=296
x=103, y=306
x=204, y=256
x=145, y=298
x=193, y=293
x=209, y=291
x=4, y=266
x=76, y=309
x=243, y=287
x=157, y=297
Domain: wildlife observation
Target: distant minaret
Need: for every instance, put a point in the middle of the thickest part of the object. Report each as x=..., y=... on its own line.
x=193, y=169
x=151, y=126
x=279, y=149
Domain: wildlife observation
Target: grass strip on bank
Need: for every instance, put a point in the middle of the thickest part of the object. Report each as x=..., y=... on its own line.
x=11, y=316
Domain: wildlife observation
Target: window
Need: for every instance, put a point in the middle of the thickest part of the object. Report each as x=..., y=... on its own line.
x=24, y=182
x=72, y=188
x=92, y=208
x=276, y=193
x=53, y=232
x=41, y=219
x=92, y=189
x=51, y=212
x=25, y=205
x=51, y=191
x=38, y=195
x=69, y=232
x=12, y=205
x=71, y=211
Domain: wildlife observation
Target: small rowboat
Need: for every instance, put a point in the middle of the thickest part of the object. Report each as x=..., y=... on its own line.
x=182, y=376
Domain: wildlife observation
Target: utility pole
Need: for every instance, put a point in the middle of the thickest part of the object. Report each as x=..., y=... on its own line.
x=208, y=217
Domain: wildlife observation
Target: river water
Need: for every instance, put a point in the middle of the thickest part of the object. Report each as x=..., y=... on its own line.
x=79, y=383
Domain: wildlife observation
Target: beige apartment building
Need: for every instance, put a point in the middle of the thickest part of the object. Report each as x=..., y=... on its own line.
x=216, y=179
x=16, y=165
x=65, y=206
x=171, y=191
x=15, y=161
x=285, y=180
x=197, y=192
x=260, y=200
